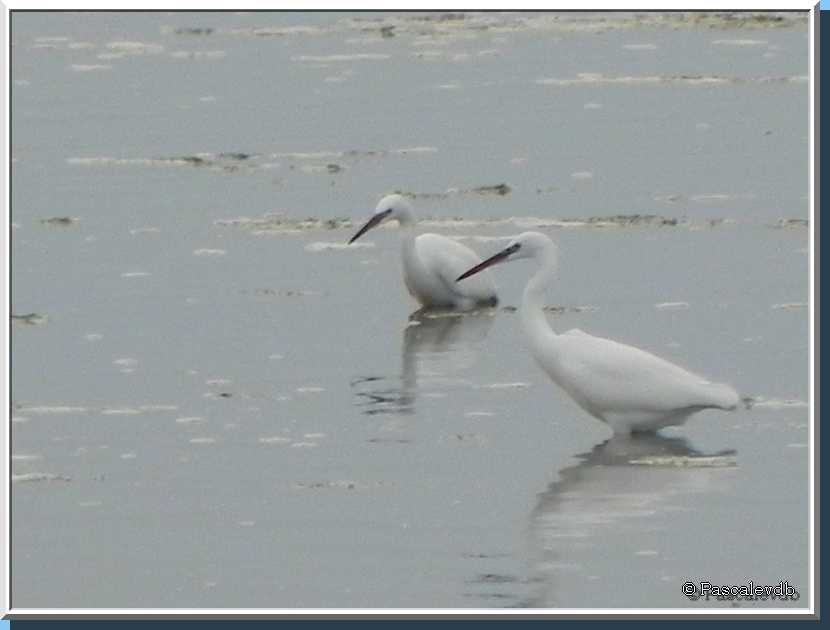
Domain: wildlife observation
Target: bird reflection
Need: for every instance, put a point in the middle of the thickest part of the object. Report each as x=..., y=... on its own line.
x=617, y=506
x=437, y=346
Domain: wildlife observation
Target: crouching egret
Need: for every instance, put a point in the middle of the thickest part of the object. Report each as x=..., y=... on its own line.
x=432, y=263
x=629, y=389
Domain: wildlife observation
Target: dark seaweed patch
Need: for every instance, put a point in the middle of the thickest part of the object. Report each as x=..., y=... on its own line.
x=60, y=221
x=30, y=319
x=498, y=189
x=190, y=30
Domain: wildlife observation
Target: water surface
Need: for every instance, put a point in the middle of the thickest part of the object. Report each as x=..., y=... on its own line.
x=216, y=404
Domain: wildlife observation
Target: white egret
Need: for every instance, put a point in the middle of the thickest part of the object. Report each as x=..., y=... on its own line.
x=629, y=389
x=432, y=263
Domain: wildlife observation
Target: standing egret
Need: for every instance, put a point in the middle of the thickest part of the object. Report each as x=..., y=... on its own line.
x=629, y=389
x=431, y=262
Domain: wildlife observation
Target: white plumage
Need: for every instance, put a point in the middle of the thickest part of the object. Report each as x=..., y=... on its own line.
x=629, y=389
x=432, y=263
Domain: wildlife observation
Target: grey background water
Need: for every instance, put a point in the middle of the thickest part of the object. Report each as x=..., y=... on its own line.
x=217, y=405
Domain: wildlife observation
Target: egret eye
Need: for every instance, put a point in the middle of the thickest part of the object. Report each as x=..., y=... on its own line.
x=512, y=249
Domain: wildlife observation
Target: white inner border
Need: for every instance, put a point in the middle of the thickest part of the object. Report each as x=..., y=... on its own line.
x=644, y=5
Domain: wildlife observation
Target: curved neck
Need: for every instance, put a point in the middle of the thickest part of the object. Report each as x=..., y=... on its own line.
x=406, y=218
x=408, y=232
x=531, y=312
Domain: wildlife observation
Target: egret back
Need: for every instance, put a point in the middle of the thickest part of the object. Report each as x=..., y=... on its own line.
x=608, y=376
x=447, y=259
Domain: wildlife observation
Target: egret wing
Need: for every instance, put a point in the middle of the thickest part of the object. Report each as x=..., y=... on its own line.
x=622, y=377
x=448, y=259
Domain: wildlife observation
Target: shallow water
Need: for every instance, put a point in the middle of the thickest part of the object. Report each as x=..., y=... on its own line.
x=216, y=404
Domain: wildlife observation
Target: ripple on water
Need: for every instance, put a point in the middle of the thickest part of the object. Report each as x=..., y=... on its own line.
x=341, y=484
x=89, y=67
x=158, y=407
x=275, y=439
x=25, y=457
x=120, y=411
x=202, y=440
x=322, y=246
x=144, y=230
x=190, y=420
x=493, y=578
x=672, y=306
x=740, y=42
x=209, y=252
x=775, y=403
x=135, y=47
x=687, y=461
x=467, y=439
x=596, y=79
x=310, y=389
x=340, y=58
x=790, y=306
x=198, y=55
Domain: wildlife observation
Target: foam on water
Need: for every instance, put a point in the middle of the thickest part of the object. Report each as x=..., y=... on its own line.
x=89, y=67
x=202, y=440
x=684, y=461
x=121, y=411
x=672, y=306
x=190, y=420
x=340, y=484
x=592, y=78
x=38, y=476
x=775, y=403
x=135, y=47
x=790, y=306
x=276, y=439
x=51, y=409
x=209, y=252
x=323, y=246
x=198, y=54
x=740, y=42
x=340, y=58
x=21, y=457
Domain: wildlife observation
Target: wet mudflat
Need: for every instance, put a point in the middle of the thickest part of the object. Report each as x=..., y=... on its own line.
x=216, y=403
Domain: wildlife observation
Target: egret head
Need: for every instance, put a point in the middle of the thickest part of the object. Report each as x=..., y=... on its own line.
x=390, y=207
x=525, y=245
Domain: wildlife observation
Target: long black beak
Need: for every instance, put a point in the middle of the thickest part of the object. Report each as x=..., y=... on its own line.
x=493, y=260
x=375, y=220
